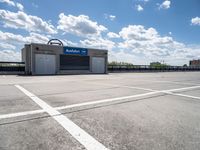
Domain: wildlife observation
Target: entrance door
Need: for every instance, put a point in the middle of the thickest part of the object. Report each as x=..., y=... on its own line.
x=98, y=64
x=45, y=64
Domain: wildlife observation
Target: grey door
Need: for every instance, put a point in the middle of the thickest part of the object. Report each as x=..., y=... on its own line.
x=98, y=64
x=45, y=64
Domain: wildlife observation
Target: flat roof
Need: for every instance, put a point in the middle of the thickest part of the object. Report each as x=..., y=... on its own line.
x=65, y=46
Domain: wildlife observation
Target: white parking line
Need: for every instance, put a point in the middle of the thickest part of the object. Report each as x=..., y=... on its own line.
x=174, y=82
x=125, y=86
x=24, y=113
x=75, y=106
x=152, y=90
x=183, y=95
x=161, y=91
x=107, y=101
x=97, y=103
x=182, y=89
x=79, y=134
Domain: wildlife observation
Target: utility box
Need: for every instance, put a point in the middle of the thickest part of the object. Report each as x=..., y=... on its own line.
x=47, y=59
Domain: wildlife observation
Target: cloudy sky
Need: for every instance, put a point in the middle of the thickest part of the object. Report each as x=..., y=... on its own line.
x=136, y=31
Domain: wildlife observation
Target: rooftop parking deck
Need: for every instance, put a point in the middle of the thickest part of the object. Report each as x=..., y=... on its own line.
x=119, y=111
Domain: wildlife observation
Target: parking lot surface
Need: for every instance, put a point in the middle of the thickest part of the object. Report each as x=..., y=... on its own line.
x=119, y=111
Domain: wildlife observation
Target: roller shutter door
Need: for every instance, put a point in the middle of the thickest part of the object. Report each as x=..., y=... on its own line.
x=98, y=64
x=45, y=64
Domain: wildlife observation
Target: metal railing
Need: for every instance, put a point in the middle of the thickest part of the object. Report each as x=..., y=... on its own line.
x=20, y=67
x=121, y=68
x=12, y=67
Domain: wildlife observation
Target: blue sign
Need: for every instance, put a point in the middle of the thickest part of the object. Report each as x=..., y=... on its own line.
x=75, y=51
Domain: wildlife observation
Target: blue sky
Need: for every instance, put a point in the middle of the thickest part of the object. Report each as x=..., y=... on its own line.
x=136, y=31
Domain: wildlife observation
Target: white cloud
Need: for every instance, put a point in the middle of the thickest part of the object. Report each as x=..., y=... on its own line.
x=142, y=40
x=12, y=3
x=144, y=0
x=36, y=38
x=6, y=46
x=112, y=35
x=21, y=20
x=10, y=55
x=11, y=38
x=110, y=17
x=138, y=32
x=124, y=56
x=195, y=21
x=9, y=2
x=139, y=8
x=98, y=43
x=149, y=45
x=165, y=5
x=11, y=44
x=34, y=5
x=20, y=6
x=79, y=25
x=69, y=43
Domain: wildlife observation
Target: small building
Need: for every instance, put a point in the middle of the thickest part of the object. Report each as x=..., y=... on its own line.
x=195, y=63
x=54, y=58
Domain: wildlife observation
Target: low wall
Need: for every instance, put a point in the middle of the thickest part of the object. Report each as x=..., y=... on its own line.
x=11, y=72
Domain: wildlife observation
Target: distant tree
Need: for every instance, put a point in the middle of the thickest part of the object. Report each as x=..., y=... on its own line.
x=185, y=65
x=155, y=64
x=120, y=63
x=158, y=65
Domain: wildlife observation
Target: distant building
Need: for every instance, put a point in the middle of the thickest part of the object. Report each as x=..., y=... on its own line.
x=195, y=63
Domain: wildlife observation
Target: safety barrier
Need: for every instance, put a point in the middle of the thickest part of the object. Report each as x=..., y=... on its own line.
x=19, y=67
x=147, y=68
x=12, y=67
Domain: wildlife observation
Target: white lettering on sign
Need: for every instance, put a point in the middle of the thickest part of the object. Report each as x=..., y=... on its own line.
x=72, y=51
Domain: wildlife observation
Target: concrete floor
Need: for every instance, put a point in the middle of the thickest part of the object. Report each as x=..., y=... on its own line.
x=122, y=111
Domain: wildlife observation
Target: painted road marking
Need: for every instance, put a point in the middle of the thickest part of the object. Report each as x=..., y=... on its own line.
x=174, y=82
x=80, y=106
x=117, y=85
x=164, y=81
x=147, y=89
x=79, y=134
x=182, y=89
x=74, y=106
x=183, y=95
x=24, y=113
x=162, y=91
x=106, y=100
